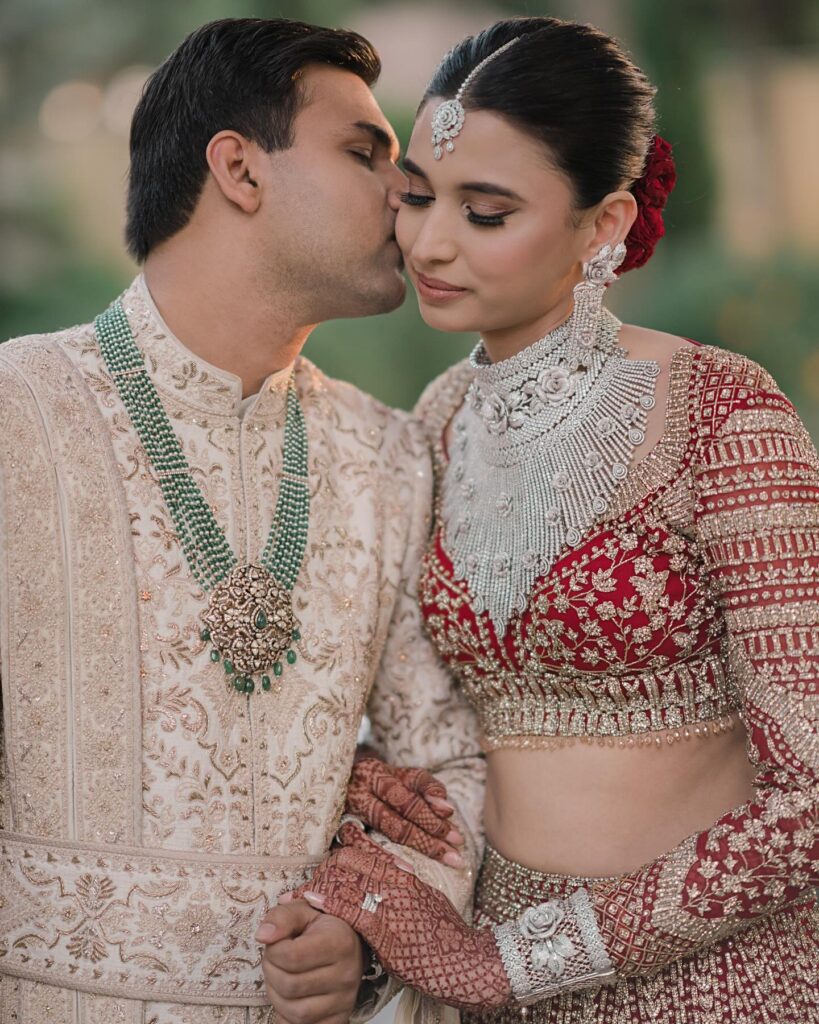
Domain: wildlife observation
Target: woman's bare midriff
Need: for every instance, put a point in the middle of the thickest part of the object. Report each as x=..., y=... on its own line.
x=587, y=809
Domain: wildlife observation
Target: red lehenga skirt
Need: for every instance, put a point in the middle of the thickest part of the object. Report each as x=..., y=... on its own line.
x=767, y=973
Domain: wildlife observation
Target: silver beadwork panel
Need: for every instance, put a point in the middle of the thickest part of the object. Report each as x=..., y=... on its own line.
x=539, y=448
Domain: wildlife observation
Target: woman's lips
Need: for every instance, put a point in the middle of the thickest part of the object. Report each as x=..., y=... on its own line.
x=433, y=290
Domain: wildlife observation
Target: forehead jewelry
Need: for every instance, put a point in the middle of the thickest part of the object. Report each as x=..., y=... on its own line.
x=449, y=116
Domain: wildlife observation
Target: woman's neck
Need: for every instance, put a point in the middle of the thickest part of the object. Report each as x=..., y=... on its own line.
x=506, y=342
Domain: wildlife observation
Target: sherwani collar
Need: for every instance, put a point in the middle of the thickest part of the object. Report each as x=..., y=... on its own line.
x=187, y=379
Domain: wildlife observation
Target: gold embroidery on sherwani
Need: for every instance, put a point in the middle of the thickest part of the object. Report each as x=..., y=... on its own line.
x=106, y=733
x=221, y=783
x=32, y=636
x=121, y=921
x=92, y=679
x=101, y=677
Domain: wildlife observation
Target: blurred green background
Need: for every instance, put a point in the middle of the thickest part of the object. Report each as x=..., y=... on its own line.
x=738, y=94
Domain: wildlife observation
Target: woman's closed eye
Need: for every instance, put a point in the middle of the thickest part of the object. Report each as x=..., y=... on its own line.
x=415, y=198
x=421, y=200
x=487, y=220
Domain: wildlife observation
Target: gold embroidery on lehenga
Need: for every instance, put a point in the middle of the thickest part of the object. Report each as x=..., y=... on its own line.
x=699, y=599
x=769, y=972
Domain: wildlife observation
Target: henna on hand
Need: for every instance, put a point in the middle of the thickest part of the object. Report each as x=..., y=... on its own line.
x=415, y=931
x=407, y=805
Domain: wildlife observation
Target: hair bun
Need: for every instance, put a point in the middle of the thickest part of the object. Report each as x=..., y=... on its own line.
x=651, y=192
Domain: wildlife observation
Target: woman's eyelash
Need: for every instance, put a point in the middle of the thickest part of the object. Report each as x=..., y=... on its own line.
x=364, y=157
x=414, y=199
x=486, y=220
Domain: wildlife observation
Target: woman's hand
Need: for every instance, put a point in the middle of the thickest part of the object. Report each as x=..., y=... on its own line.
x=407, y=805
x=416, y=933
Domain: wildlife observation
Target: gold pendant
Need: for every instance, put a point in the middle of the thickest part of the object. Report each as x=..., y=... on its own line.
x=250, y=620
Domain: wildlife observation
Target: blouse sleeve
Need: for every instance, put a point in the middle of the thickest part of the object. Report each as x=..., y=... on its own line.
x=756, y=482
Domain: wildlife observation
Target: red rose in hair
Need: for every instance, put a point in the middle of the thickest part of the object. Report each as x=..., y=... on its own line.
x=659, y=177
x=651, y=192
x=645, y=232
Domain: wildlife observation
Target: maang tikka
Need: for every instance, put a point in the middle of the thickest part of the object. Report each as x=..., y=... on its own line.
x=448, y=119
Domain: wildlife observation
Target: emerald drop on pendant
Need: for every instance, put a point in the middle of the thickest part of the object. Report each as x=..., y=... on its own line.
x=265, y=683
x=291, y=657
x=277, y=668
x=250, y=686
x=261, y=621
x=296, y=636
x=228, y=667
x=205, y=635
x=214, y=656
x=239, y=684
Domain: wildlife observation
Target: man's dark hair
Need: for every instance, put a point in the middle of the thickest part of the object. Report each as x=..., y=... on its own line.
x=237, y=73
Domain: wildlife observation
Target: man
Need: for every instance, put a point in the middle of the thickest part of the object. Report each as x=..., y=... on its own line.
x=183, y=682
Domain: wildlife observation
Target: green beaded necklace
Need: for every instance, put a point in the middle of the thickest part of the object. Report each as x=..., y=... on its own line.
x=249, y=618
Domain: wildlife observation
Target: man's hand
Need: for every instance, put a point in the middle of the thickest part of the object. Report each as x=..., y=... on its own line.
x=312, y=964
x=416, y=933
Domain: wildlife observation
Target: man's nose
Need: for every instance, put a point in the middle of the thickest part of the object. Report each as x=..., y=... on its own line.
x=397, y=184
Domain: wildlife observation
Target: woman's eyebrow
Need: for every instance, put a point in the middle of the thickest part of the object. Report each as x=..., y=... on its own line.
x=484, y=187
x=487, y=188
x=413, y=168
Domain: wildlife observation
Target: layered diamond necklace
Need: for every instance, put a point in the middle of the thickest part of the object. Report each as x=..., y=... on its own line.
x=539, y=446
x=249, y=619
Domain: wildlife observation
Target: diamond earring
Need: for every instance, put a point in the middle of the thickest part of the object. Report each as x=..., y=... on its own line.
x=588, y=303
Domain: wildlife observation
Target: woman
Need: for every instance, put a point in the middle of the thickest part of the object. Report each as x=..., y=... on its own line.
x=622, y=573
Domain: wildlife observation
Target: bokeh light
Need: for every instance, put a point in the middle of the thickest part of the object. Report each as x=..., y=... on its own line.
x=739, y=266
x=71, y=112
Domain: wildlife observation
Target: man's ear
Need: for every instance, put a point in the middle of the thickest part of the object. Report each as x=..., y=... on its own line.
x=232, y=159
x=612, y=221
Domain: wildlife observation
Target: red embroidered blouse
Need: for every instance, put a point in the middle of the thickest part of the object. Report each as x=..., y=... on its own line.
x=697, y=596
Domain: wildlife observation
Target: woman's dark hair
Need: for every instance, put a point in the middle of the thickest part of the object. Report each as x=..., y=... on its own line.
x=238, y=73
x=568, y=85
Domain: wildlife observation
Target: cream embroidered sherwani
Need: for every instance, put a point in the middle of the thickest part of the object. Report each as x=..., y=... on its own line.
x=149, y=813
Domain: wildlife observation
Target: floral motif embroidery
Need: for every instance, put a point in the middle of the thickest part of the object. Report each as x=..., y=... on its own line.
x=768, y=969
x=551, y=386
x=699, y=595
x=215, y=777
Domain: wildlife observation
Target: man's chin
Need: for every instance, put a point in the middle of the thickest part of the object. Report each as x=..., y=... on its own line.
x=400, y=292
x=389, y=298
x=385, y=292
